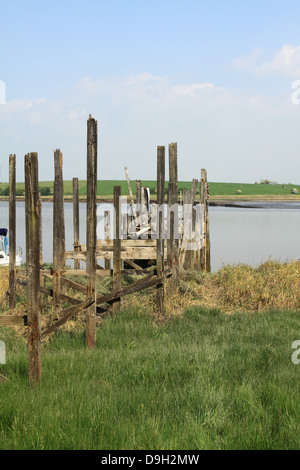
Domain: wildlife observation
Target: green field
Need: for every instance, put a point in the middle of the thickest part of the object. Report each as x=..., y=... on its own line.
x=105, y=188
x=202, y=381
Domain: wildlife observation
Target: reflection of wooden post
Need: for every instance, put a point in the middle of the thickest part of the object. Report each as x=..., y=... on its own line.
x=76, y=220
x=173, y=242
x=117, y=265
x=58, y=226
x=160, y=225
x=33, y=266
x=107, y=234
x=91, y=227
x=12, y=231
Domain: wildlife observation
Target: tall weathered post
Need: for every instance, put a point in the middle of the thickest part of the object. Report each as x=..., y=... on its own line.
x=160, y=225
x=12, y=231
x=205, y=250
x=91, y=227
x=33, y=266
x=58, y=226
x=76, y=220
x=173, y=242
x=117, y=262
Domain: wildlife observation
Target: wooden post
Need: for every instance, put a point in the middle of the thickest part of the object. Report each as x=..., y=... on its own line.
x=186, y=253
x=91, y=227
x=160, y=225
x=41, y=230
x=33, y=266
x=76, y=220
x=207, y=261
x=117, y=264
x=173, y=242
x=203, y=201
x=107, y=235
x=58, y=226
x=12, y=231
x=138, y=198
x=130, y=193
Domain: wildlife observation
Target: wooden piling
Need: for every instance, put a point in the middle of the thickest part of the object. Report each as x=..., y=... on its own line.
x=76, y=219
x=203, y=201
x=117, y=264
x=91, y=227
x=160, y=222
x=173, y=242
x=12, y=231
x=41, y=230
x=33, y=266
x=58, y=226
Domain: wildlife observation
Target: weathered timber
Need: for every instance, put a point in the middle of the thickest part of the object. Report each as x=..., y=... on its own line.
x=117, y=266
x=76, y=219
x=67, y=314
x=58, y=226
x=12, y=320
x=91, y=227
x=160, y=241
x=173, y=243
x=12, y=231
x=33, y=266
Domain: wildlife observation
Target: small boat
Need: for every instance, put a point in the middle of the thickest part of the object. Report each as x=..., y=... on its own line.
x=4, y=249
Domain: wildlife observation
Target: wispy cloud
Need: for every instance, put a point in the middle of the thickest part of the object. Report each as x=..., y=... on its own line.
x=285, y=62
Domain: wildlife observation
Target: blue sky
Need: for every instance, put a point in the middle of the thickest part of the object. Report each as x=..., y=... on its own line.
x=215, y=76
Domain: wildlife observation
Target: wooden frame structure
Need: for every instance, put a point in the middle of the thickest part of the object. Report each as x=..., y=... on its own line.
x=134, y=241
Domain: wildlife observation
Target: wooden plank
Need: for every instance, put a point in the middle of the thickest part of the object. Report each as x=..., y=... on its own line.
x=126, y=253
x=160, y=242
x=133, y=264
x=91, y=227
x=33, y=266
x=145, y=283
x=117, y=266
x=76, y=219
x=105, y=272
x=12, y=231
x=3, y=379
x=12, y=320
x=67, y=314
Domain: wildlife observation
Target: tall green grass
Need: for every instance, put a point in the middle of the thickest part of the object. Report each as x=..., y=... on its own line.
x=201, y=381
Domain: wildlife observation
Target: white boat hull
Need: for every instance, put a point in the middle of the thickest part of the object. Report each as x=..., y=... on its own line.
x=4, y=259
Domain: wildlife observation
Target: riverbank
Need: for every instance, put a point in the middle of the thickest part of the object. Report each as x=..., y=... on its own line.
x=202, y=378
x=217, y=200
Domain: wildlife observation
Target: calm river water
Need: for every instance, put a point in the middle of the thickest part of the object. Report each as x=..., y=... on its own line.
x=238, y=234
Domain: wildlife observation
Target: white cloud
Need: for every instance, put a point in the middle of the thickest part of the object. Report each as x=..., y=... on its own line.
x=285, y=62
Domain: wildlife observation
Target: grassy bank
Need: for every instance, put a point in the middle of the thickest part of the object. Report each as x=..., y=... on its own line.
x=200, y=379
x=217, y=190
